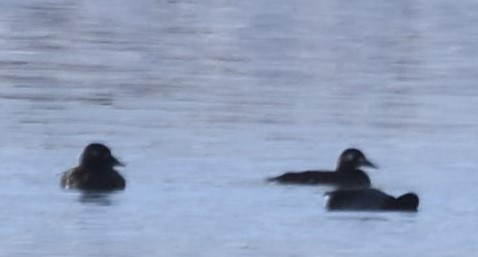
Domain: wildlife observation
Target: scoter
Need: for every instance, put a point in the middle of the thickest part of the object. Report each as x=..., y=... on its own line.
x=95, y=171
x=346, y=175
x=370, y=200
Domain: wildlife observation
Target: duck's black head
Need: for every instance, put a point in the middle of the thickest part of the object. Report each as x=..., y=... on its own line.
x=407, y=202
x=353, y=158
x=98, y=156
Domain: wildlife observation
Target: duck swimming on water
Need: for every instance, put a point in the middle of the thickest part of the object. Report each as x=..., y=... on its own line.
x=346, y=175
x=370, y=200
x=95, y=171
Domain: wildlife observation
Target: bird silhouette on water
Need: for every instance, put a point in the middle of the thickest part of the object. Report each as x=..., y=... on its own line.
x=95, y=171
x=370, y=200
x=346, y=175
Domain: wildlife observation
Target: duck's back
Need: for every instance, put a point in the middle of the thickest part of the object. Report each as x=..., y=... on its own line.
x=359, y=199
x=77, y=178
x=355, y=178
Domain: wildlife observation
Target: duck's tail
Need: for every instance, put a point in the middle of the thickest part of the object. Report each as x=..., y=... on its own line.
x=409, y=201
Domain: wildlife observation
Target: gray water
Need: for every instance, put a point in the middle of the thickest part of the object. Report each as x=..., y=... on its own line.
x=203, y=100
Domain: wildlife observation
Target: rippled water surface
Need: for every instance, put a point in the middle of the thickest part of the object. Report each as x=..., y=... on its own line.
x=203, y=100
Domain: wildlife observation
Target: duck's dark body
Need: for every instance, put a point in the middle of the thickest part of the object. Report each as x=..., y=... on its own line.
x=370, y=200
x=95, y=172
x=347, y=179
x=347, y=174
x=83, y=179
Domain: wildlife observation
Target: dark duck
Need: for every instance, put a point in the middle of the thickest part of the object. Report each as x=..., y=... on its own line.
x=370, y=200
x=346, y=175
x=95, y=171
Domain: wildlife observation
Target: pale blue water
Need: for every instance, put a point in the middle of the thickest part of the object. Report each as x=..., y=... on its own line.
x=203, y=100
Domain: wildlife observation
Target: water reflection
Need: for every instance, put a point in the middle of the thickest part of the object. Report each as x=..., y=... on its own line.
x=97, y=198
x=374, y=216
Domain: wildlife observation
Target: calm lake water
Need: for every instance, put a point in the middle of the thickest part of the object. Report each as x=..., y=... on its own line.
x=203, y=100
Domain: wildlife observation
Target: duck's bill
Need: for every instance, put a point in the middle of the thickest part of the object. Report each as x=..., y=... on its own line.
x=367, y=163
x=116, y=162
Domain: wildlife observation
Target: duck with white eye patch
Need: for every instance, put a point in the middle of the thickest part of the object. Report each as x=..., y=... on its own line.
x=346, y=175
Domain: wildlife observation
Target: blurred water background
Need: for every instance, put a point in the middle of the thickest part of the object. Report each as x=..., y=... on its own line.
x=203, y=100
